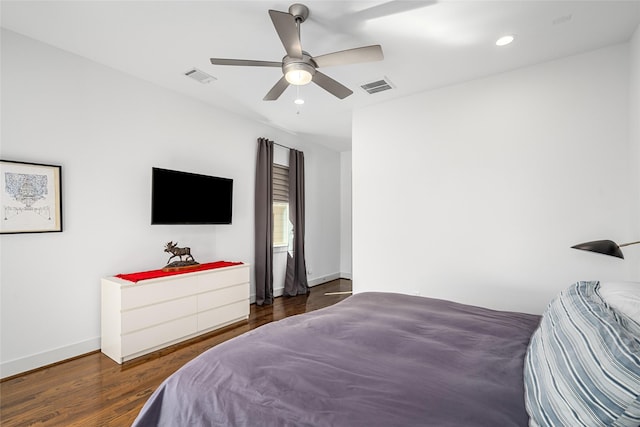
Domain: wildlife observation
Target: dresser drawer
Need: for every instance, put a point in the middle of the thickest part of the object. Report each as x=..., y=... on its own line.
x=225, y=315
x=150, y=315
x=223, y=296
x=158, y=291
x=223, y=279
x=158, y=335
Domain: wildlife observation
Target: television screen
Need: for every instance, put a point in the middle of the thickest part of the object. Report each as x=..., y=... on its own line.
x=189, y=198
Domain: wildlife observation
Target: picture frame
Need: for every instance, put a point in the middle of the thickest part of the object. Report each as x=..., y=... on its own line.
x=30, y=197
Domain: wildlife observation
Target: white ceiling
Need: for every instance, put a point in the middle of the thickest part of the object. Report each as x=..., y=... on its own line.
x=426, y=44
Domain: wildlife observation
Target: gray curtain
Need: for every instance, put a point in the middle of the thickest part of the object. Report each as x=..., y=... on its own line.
x=296, y=278
x=264, y=223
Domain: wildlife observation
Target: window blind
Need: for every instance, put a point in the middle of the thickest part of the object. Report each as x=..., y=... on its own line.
x=280, y=184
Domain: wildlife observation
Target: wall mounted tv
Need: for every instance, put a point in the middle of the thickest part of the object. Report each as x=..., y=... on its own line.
x=189, y=198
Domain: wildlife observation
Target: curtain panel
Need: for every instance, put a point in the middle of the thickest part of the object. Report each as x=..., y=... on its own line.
x=264, y=223
x=296, y=276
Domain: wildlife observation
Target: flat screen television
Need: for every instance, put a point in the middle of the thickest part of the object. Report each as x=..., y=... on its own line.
x=189, y=198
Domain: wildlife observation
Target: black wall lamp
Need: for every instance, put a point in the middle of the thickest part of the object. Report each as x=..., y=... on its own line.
x=606, y=247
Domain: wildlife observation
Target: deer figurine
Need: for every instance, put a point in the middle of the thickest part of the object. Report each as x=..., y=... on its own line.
x=173, y=249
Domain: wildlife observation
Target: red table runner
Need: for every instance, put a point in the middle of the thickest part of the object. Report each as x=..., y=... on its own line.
x=153, y=274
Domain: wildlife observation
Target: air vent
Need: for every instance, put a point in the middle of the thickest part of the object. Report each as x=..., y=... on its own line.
x=200, y=76
x=377, y=86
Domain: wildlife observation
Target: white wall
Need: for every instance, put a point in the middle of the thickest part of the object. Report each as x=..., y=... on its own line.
x=476, y=192
x=322, y=178
x=107, y=129
x=634, y=133
x=345, y=216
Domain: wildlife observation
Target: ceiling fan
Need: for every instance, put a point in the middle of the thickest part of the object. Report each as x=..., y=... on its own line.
x=298, y=66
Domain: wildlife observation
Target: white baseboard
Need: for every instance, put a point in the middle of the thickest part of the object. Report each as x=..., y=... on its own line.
x=278, y=292
x=34, y=361
x=323, y=279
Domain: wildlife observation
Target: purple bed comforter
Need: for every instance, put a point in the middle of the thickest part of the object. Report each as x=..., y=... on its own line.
x=374, y=359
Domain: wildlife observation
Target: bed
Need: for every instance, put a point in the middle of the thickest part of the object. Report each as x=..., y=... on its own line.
x=374, y=359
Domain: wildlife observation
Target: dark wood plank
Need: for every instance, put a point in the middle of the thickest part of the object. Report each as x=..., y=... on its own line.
x=93, y=390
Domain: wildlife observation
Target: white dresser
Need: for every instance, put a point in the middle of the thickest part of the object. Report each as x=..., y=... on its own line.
x=138, y=318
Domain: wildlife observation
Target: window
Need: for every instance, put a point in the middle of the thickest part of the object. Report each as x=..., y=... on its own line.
x=280, y=205
x=280, y=222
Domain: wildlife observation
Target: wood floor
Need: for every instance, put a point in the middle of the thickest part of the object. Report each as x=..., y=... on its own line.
x=93, y=390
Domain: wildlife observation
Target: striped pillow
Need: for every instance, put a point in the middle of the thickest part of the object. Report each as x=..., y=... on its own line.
x=582, y=367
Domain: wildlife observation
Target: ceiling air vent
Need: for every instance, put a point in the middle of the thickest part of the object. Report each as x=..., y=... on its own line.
x=200, y=76
x=377, y=86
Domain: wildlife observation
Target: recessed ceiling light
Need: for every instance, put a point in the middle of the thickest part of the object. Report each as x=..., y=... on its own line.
x=299, y=101
x=505, y=40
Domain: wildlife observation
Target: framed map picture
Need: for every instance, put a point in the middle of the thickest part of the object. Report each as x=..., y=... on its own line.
x=30, y=198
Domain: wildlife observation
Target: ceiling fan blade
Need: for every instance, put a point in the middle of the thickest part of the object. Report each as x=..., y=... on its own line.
x=350, y=56
x=276, y=90
x=287, y=30
x=327, y=83
x=245, y=62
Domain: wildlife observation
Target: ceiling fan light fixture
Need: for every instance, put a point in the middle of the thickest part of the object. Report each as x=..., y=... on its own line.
x=298, y=77
x=299, y=73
